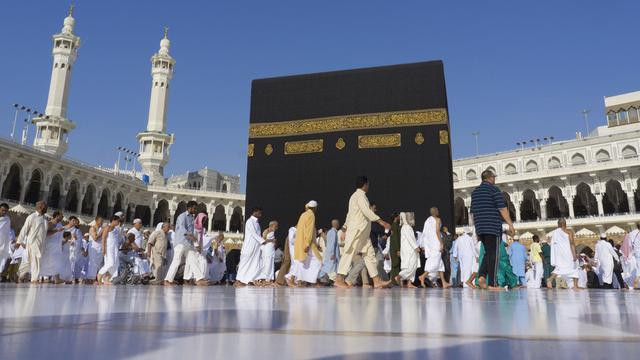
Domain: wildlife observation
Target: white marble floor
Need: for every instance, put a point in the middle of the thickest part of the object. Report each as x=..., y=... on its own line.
x=71, y=322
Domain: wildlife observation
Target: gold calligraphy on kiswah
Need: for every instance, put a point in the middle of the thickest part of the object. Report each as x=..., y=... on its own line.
x=379, y=141
x=349, y=122
x=303, y=147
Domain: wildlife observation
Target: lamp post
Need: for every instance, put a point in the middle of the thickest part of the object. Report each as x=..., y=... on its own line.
x=585, y=113
x=475, y=135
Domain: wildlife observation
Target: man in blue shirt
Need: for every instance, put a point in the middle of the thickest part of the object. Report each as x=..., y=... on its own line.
x=183, y=246
x=518, y=258
x=488, y=210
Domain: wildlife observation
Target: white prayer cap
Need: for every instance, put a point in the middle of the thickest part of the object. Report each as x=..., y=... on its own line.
x=119, y=214
x=603, y=236
x=312, y=204
x=271, y=236
x=467, y=229
x=516, y=237
x=136, y=221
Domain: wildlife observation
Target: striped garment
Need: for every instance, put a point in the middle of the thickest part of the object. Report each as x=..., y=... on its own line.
x=486, y=200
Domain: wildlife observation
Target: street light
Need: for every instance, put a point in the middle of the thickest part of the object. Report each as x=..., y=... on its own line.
x=585, y=113
x=475, y=135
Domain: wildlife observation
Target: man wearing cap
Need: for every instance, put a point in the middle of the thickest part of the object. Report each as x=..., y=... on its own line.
x=183, y=247
x=306, y=255
x=518, y=259
x=605, y=256
x=142, y=266
x=465, y=252
x=358, y=229
x=250, y=265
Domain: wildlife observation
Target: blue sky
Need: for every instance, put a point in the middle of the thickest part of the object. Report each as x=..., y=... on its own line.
x=515, y=70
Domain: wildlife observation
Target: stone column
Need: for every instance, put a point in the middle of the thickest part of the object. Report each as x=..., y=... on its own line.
x=517, y=206
x=543, y=209
x=572, y=213
x=96, y=200
x=632, y=202
x=44, y=193
x=228, y=212
x=600, y=207
x=25, y=185
x=80, y=200
x=210, y=209
x=62, y=203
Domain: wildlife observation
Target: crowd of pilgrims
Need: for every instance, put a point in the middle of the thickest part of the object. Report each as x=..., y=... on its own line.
x=354, y=254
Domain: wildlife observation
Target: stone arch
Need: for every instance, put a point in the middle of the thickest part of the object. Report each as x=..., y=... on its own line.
x=182, y=207
x=509, y=204
x=602, y=155
x=454, y=176
x=471, y=174
x=117, y=206
x=557, y=205
x=143, y=212
x=162, y=212
x=629, y=152
x=578, y=159
x=219, y=219
x=492, y=169
x=72, y=196
x=584, y=203
x=55, y=192
x=235, y=225
x=224, y=188
x=33, y=189
x=103, y=204
x=531, y=166
x=614, y=199
x=554, y=163
x=460, y=213
x=510, y=169
x=88, y=200
x=530, y=206
x=12, y=186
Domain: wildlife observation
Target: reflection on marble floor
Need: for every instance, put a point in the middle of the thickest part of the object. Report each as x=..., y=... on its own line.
x=48, y=321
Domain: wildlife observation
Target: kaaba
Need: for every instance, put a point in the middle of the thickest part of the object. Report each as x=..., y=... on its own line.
x=311, y=136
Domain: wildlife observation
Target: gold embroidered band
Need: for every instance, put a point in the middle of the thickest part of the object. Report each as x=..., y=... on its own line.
x=378, y=141
x=303, y=147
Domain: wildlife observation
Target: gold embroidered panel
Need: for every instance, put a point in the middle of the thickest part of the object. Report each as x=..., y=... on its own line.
x=379, y=141
x=349, y=122
x=444, y=137
x=250, y=150
x=303, y=147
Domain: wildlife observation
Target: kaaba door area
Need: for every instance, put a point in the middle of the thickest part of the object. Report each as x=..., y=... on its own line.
x=310, y=136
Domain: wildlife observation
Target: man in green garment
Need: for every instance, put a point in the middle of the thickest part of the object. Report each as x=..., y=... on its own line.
x=394, y=247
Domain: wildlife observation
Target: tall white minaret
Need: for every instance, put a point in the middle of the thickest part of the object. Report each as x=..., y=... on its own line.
x=155, y=142
x=52, y=129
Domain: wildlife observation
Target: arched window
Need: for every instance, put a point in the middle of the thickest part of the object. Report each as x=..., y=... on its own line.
x=629, y=152
x=602, y=155
x=612, y=118
x=623, y=118
x=532, y=166
x=62, y=66
x=455, y=177
x=492, y=169
x=471, y=175
x=510, y=169
x=577, y=159
x=554, y=163
x=633, y=115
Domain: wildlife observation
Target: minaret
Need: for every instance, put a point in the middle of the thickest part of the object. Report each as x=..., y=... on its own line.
x=52, y=129
x=155, y=142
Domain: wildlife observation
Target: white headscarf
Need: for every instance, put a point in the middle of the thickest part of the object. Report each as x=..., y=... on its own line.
x=159, y=226
x=403, y=219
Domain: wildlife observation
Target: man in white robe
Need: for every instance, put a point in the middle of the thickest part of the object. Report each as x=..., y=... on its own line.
x=80, y=255
x=563, y=256
x=307, y=256
x=53, y=259
x=95, y=249
x=290, y=277
x=31, y=237
x=142, y=266
x=268, y=252
x=5, y=235
x=409, y=251
x=184, y=250
x=250, y=266
x=466, y=254
x=358, y=230
x=605, y=256
x=433, y=245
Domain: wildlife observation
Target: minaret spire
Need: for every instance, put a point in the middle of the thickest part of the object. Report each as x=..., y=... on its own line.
x=155, y=141
x=53, y=128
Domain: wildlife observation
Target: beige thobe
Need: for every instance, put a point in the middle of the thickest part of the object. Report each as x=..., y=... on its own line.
x=158, y=240
x=357, y=240
x=32, y=236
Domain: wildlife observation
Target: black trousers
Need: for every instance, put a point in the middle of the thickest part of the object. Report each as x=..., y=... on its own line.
x=489, y=266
